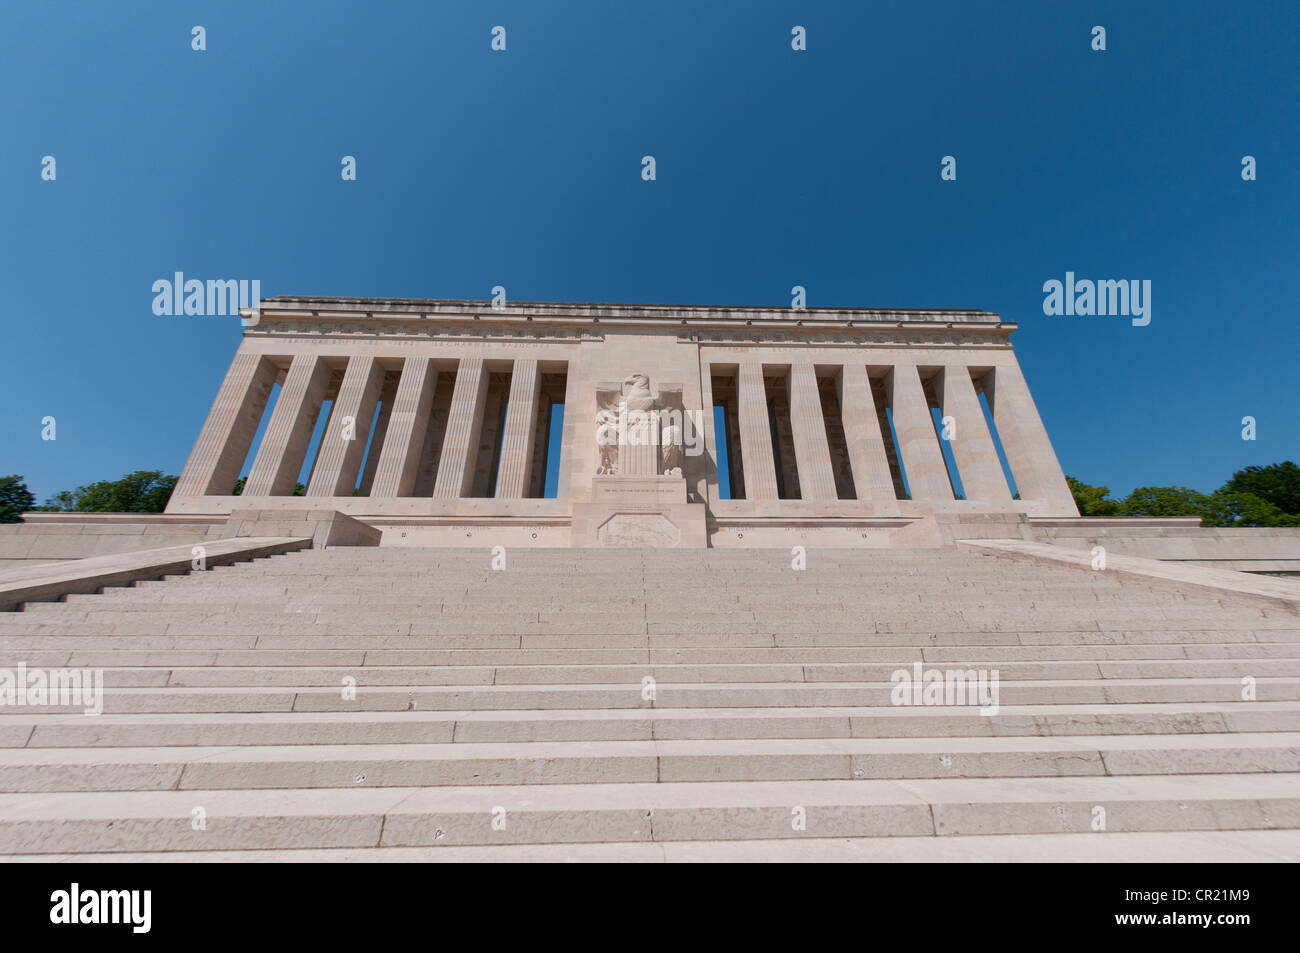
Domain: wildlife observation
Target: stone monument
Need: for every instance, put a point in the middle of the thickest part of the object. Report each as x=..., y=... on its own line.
x=545, y=424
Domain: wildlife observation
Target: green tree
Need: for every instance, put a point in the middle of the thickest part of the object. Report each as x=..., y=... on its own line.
x=14, y=498
x=144, y=491
x=1278, y=484
x=1246, y=509
x=1091, y=500
x=298, y=488
x=1166, y=501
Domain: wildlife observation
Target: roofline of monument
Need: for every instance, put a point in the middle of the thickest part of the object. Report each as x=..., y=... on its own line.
x=355, y=307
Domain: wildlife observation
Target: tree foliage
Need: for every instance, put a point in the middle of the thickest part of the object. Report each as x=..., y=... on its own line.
x=1255, y=496
x=1246, y=509
x=14, y=498
x=298, y=488
x=144, y=491
x=1164, y=501
x=1277, y=484
x=1092, y=499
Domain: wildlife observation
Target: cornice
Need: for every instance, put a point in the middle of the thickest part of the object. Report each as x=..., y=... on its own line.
x=478, y=320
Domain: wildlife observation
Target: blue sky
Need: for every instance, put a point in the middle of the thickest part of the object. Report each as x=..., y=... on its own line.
x=775, y=168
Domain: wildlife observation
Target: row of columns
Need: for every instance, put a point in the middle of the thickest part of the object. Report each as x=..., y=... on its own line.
x=1029, y=453
x=406, y=415
x=399, y=434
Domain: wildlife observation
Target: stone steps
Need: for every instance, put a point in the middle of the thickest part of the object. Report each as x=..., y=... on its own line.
x=739, y=623
x=716, y=695
x=451, y=635
x=74, y=822
x=448, y=727
x=372, y=674
x=608, y=762
x=1269, y=846
x=522, y=690
x=163, y=651
x=1040, y=646
x=995, y=657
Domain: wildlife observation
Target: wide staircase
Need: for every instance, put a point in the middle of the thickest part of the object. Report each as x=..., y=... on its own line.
x=418, y=704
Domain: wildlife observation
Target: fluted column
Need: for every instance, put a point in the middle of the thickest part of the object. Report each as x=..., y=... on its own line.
x=872, y=478
x=972, y=446
x=927, y=474
x=399, y=457
x=515, y=469
x=284, y=444
x=701, y=471
x=812, y=452
x=213, y=466
x=344, y=441
x=755, y=434
x=1029, y=451
x=386, y=398
x=735, y=450
x=464, y=424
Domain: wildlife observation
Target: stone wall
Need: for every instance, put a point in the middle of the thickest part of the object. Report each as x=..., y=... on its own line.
x=58, y=537
x=1263, y=549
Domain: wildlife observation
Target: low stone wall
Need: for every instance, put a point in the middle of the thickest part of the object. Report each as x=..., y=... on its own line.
x=44, y=538
x=1263, y=549
x=49, y=538
x=48, y=583
x=1182, y=576
x=58, y=537
x=322, y=527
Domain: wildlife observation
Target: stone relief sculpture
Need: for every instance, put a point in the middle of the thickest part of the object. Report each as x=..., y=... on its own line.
x=670, y=441
x=637, y=432
x=607, y=441
x=636, y=393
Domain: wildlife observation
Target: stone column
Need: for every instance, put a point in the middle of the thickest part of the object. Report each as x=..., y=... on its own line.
x=755, y=434
x=972, y=446
x=812, y=452
x=213, y=466
x=386, y=398
x=735, y=454
x=541, y=461
x=338, y=460
x=872, y=478
x=515, y=470
x=481, y=486
x=284, y=444
x=431, y=449
x=578, y=452
x=460, y=444
x=1029, y=452
x=927, y=474
x=399, y=456
x=702, y=470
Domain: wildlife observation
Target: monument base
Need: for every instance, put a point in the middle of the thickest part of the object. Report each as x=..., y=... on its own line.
x=644, y=512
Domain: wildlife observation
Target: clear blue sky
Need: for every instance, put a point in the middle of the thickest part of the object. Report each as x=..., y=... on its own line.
x=775, y=168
